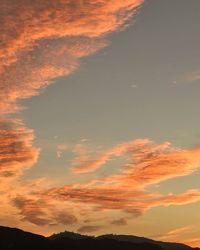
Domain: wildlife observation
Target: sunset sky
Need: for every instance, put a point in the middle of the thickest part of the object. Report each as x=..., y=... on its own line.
x=99, y=117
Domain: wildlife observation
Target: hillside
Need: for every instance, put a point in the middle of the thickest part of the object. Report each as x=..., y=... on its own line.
x=16, y=239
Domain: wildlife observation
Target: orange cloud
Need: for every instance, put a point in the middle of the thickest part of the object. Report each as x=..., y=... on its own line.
x=35, y=69
x=41, y=20
x=190, y=196
x=147, y=163
x=41, y=212
x=40, y=208
x=83, y=163
x=32, y=211
x=49, y=38
x=101, y=199
x=120, y=192
x=131, y=201
x=41, y=41
x=16, y=149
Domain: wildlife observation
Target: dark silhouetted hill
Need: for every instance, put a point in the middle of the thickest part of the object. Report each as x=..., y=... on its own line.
x=16, y=239
x=70, y=235
x=136, y=239
x=110, y=244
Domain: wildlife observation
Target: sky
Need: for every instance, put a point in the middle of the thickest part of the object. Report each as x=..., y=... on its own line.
x=99, y=123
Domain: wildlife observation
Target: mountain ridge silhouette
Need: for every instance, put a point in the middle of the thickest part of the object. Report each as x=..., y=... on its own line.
x=17, y=239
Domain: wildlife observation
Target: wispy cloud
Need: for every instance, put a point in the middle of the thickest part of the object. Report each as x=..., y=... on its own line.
x=41, y=41
x=181, y=234
x=147, y=163
x=49, y=38
x=126, y=191
x=174, y=234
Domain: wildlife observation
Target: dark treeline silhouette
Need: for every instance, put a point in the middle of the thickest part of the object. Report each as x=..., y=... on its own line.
x=16, y=239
